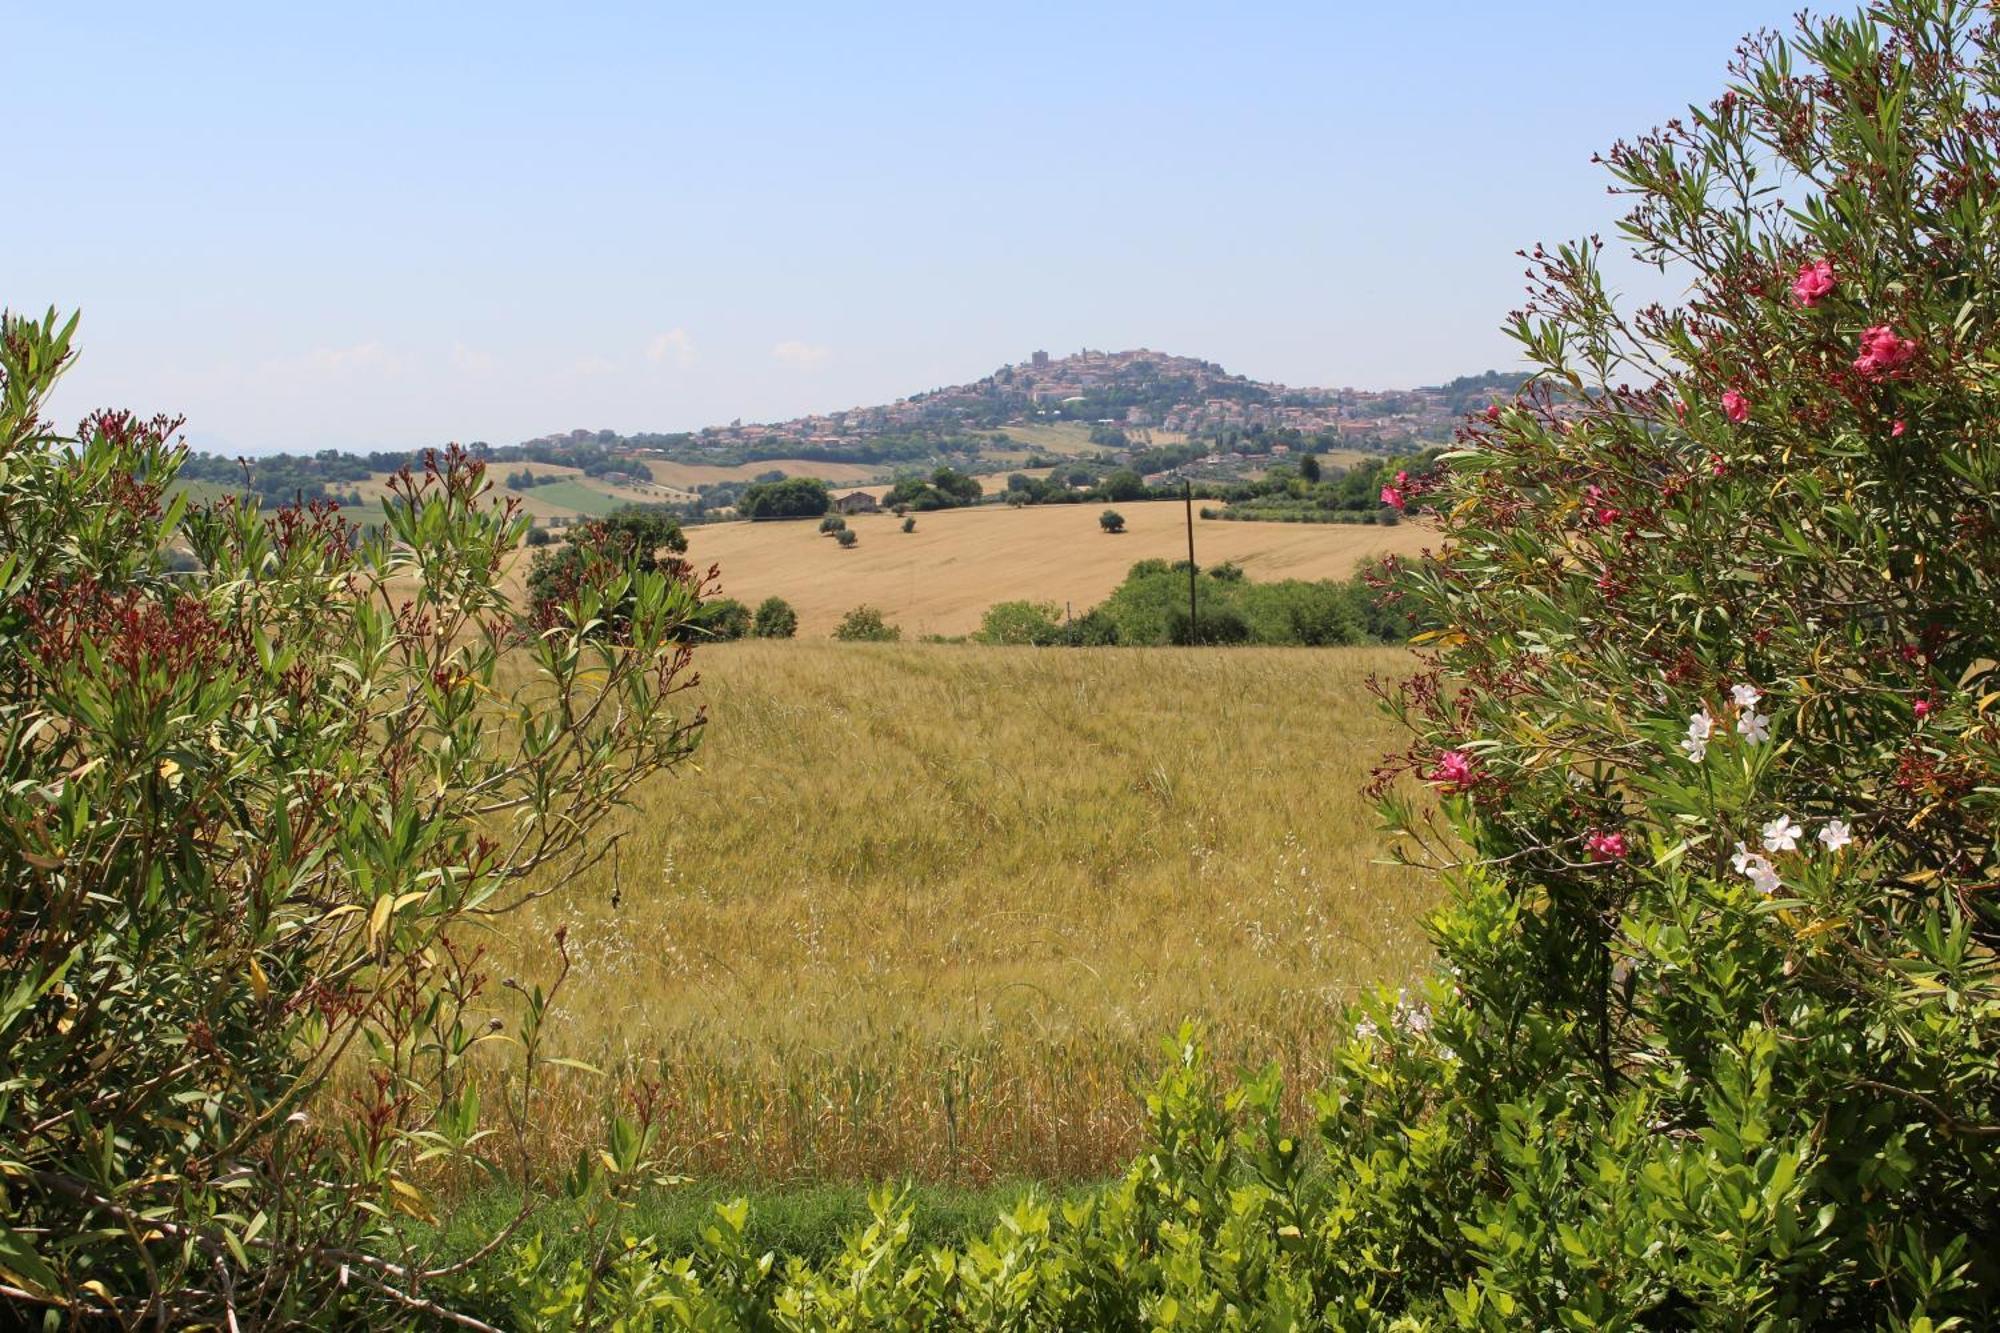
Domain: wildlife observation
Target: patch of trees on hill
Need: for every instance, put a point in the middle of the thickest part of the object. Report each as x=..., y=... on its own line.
x=794, y=497
x=945, y=488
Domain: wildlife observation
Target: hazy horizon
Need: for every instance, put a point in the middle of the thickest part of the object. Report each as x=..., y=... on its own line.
x=379, y=229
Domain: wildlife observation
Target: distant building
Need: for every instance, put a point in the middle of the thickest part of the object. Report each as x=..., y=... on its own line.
x=857, y=502
x=1039, y=360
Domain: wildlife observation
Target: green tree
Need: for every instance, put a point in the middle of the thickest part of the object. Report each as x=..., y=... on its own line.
x=1123, y=486
x=1111, y=521
x=1309, y=471
x=845, y=537
x=794, y=497
x=864, y=624
x=775, y=619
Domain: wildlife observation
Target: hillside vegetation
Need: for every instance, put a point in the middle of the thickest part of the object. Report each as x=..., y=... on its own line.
x=928, y=909
x=941, y=578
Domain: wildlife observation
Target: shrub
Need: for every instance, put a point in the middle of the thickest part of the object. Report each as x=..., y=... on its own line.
x=775, y=619
x=1111, y=521
x=539, y=536
x=831, y=524
x=864, y=624
x=721, y=618
x=1712, y=716
x=1216, y=624
x=254, y=813
x=846, y=537
x=909, y=525
x=1021, y=623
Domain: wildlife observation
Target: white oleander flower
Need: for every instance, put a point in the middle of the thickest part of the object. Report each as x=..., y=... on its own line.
x=1782, y=835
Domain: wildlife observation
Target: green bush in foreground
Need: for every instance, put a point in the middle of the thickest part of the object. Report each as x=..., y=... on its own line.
x=1713, y=721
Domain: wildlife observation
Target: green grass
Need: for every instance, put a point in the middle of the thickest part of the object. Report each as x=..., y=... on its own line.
x=576, y=495
x=202, y=492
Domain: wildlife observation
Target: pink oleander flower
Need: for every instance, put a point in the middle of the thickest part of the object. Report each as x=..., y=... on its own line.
x=1392, y=497
x=1493, y=411
x=1736, y=407
x=1453, y=771
x=1896, y=427
x=1603, y=514
x=1815, y=282
x=1883, y=354
x=1922, y=708
x=1606, y=846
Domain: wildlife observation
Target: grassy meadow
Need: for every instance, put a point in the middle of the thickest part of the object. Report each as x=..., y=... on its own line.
x=928, y=911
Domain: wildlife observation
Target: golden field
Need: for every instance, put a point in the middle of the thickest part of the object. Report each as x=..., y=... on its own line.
x=929, y=910
x=941, y=578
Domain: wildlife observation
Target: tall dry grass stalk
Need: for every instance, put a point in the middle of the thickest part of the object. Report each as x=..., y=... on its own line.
x=929, y=911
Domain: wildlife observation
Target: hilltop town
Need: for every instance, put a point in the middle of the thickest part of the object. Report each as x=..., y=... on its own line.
x=1149, y=396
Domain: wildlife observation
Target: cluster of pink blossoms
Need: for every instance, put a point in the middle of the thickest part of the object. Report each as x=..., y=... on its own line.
x=1397, y=494
x=1604, y=846
x=1453, y=771
x=1815, y=282
x=1883, y=354
x=1604, y=514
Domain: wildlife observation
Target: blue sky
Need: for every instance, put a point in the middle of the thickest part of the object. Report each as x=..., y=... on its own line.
x=370, y=226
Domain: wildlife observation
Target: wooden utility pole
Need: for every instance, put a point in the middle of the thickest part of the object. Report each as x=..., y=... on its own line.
x=1194, y=625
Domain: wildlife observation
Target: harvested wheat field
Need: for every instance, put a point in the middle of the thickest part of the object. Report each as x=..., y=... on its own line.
x=929, y=910
x=941, y=578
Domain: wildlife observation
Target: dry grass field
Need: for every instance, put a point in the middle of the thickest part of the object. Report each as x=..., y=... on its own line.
x=941, y=578
x=928, y=911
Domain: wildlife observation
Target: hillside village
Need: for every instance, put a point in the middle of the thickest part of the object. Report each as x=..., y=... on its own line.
x=1141, y=391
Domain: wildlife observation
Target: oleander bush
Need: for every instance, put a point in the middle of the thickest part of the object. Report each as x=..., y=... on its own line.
x=264, y=785
x=1711, y=721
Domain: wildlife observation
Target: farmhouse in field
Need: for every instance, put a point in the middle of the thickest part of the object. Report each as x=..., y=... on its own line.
x=857, y=502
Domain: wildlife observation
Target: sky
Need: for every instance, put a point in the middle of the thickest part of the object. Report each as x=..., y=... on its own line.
x=371, y=226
